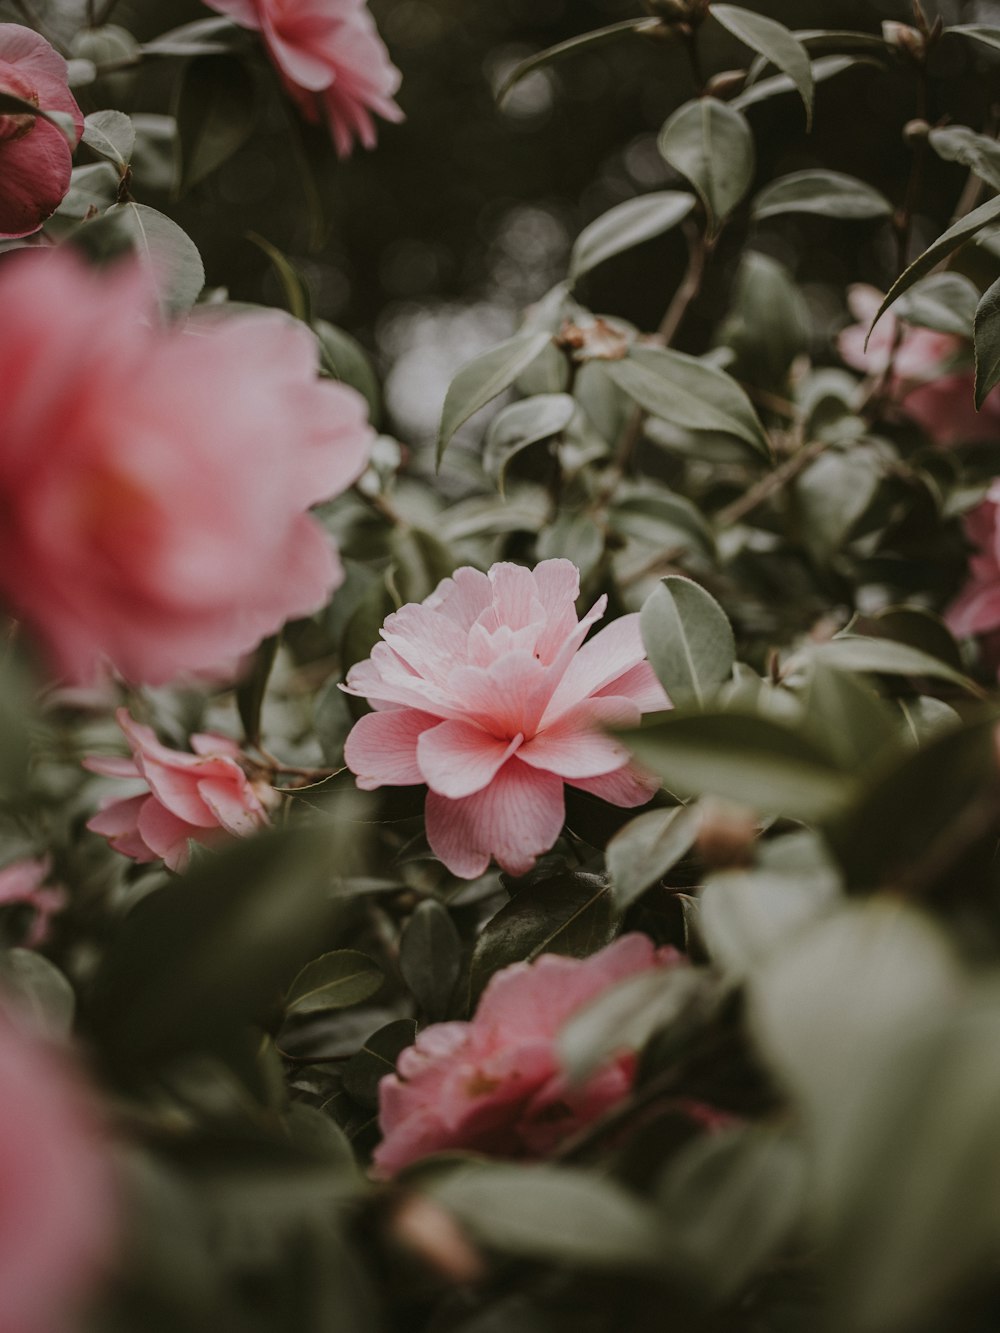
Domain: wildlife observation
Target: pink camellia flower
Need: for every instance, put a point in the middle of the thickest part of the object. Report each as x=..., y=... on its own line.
x=977, y=608
x=35, y=157
x=155, y=482
x=331, y=61
x=22, y=884
x=495, y=1085
x=486, y=692
x=57, y=1205
x=205, y=796
x=932, y=381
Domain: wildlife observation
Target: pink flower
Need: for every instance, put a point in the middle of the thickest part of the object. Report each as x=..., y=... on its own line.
x=205, y=796
x=155, y=482
x=35, y=158
x=486, y=692
x=22, y=884
x=932, y=379
x=495, y=1085
x=57, y=1205
x=977, y=608
x=331, y=61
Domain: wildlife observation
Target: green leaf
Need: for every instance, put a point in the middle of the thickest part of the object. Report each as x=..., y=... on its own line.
x=337, y=980
x=647, y=847
x=688, y=639
x=658, y=517
x=346, y=360
x=550, y=1213
x=957, y=143
x=847, y=716
x=296, y=289
x=253, y=687
x=950, y=240
x=987, y=333
x=422, y=561
x=215, y=116
x=688, y=393
x=92, y=186
x=755, y=761
x=775, y=43
x=430, y=958
x=377, y=1057
x=480, y=380
x=112, y=135
x=768, y=322
x=852, y=652
x=627, y=225
x=712, y=146
x=572, y=913
x=523, y=424
x=167, y=252
x=979, y=32
x=827, y=67
x=832, y=494
x=37, y=992
x=828, y=194
x=588, y=41
x=945, y=302
x=331, y=722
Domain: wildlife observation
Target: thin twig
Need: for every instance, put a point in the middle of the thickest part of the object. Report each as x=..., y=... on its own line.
x=770, y=485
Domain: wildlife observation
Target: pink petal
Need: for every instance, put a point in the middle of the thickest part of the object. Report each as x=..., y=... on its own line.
x=381, y=749
x=459, y=758
x=111, y=766
x=243, y=12
x=234, y=804
x=165, y=834
x=576, y=747
x=508, y=696
x=118, y=821
x=36, y=172
x=463, y=597
x=515, y=820
x=602, y=659
x=628, y=787
x=640, y=684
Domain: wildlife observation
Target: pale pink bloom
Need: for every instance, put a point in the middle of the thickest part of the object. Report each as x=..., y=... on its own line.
x=977, y=608
x=155, y=481
x=486, y=692
x=496, y=1085
x=35, y=157
x=205, y=796
x=22, y=884
x=57, y=1204
x=932, y=381
x=330, y=58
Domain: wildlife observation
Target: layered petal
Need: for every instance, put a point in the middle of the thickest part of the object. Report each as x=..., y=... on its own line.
x=381, y=749
x=457, y=759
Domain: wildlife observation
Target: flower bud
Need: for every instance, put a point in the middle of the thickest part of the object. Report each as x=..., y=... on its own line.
x=726, y=834
x=726, y=84
x=909, y=41
x=426, y=1230
x=915, y=131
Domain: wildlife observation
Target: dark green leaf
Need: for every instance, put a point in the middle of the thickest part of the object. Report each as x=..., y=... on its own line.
x=430, y=957
x=688, y=639
x=626, y=225
x=588, y=41
x=346, y=360
x=335, y=981
x=656, y=516
x=768, y=323
x=647, y=847
x=987, y=331
x=827, y=67
x=293, y=284
x=945, y=302
x=712, y=146
x=479, y=382
x=253, y=687
x=215, y=116
x=775, y=43
x=852, y=652
x=957, y=143
x=422, y=561
x=520, y=425
x=979, y=32
x=826, y=193
x=847, y=717
x=364, y=1071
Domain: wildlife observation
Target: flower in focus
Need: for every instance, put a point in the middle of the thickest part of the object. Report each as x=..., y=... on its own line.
x=22, y=885
x=932, y=376
x=57, y=1205
x=155, y=481
x=35, y=157
x=495, y=1085
x=330, y=58
x=976, y=610
x=205, y=796
x=486, y=692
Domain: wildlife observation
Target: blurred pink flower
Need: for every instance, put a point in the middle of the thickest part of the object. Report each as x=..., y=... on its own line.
x=932, y=379
x=35, y=157
x=57, y=1205
x=163, y=526
x=205, y=796
x=495, y=1085
x=977, y=608
x=22, y=884
x=487, y=692
x=331, y=61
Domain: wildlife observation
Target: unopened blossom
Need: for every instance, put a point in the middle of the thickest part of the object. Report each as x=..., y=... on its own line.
x=23, y=884
x=57, y=1204
x=205, y=797
x=495, y=1085
x=155, y=481
x=976, y=610
x=932, y=380
x=486, y=692
x=36, y=158
x=331, y=61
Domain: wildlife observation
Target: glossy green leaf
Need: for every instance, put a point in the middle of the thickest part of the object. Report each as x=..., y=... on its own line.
x=167, y=252
x=216, y=113
x=252, y=689
x=523, y=424
x=828, y=194
x=852, y=652
x=945, y=302
x=987, y=334
x=337, y=980
x=343, y=357
x=421, y=561
x=626, y=225
x=711, y=145
x=688, y=393
x=775, y=43
x=978, y=152
x=768, y=322
x=377, y=1057
x=655, y=516
x=112, y=134
x=747, y=914
x=647, y=847
x=483, y=378
x=430, y=957
x=846, y=715
x=983, y=33
x=823, y=69
x=688, y=639
x=588, y=41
